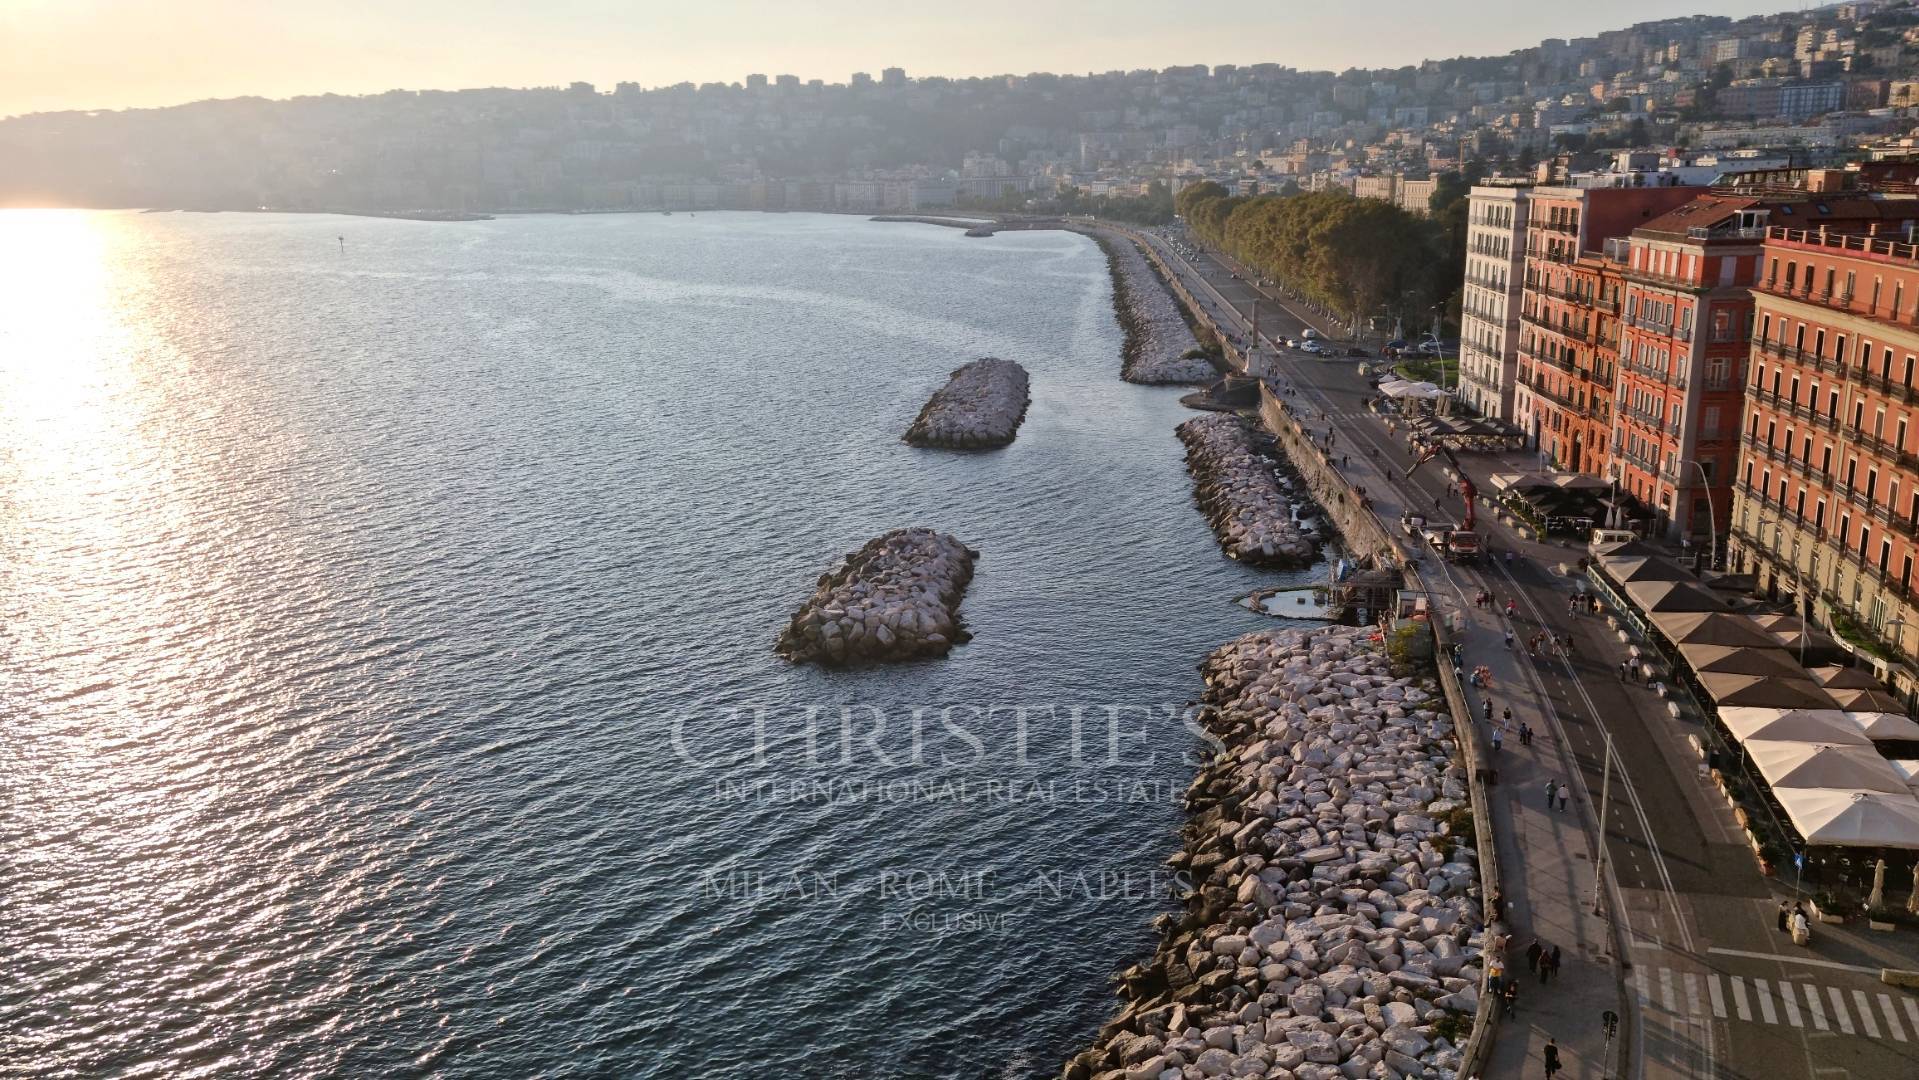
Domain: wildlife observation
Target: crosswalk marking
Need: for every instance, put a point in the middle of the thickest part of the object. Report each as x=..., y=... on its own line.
x=1680, y=994
x=1791, y=1001
x=1865, y=1014
x=1892, y=1018
x=1817, y=1010
x=1839, y=1012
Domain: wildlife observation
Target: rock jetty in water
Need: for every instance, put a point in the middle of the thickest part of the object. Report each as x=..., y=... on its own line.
x=1157, y=335
x=897, y=598
x=1240, y=494
x=980, y=407
x=1330, y=928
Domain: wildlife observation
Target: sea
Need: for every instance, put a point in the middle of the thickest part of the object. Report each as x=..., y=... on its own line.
x=387, y=683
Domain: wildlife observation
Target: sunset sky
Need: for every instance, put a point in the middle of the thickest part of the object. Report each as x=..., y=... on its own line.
x=85, y=54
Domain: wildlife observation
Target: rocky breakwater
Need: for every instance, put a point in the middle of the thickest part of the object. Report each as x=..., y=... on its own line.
x=897, y=598
x=1240, y=494
x=1160, y=347
x=1328, y=929
x=980, y=407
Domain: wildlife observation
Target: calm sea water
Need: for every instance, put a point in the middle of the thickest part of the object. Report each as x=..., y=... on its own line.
x=386, y=671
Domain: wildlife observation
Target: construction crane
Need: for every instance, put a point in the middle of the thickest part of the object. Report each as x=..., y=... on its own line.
x=1462, y=544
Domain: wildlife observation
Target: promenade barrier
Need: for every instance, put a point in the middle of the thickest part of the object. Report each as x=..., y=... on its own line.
x=1365, y=534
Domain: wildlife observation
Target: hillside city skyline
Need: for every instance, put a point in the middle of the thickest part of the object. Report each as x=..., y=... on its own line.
x=94, y=57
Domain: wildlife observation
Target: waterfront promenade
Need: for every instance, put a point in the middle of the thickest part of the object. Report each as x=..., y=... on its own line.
x=1683, y=946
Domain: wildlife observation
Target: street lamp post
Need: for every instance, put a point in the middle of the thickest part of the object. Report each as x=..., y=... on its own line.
x=1712, y=522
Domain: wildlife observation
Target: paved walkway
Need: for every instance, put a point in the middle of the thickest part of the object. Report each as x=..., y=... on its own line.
x=1547, y=855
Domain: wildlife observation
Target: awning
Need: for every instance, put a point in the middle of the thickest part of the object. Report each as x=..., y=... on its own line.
x=1842, y=818
x=1672, y=596
x=1857, y=700
x=1579, y=482
x=1838, y=677
x=1712, y=628
x=1885, y=726
x=1628, y=549
x=1763, y=690
x=1630, y=568
x=1734, y=660
x=1516, y=481
x=1824, y=765
x=1792, y=725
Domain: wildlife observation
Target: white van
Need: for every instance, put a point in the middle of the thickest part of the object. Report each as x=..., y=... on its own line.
x=1309, y=333
x=1604, y=537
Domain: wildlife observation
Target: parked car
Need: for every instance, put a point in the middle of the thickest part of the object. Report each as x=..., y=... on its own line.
x=1314, y=348
x=1309, y=333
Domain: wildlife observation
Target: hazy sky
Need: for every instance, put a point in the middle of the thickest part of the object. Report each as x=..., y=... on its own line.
x=68, y=54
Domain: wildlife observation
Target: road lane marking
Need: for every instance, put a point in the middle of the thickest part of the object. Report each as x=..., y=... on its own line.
x=1912, y=1014
x=1791, y=1001
x=1788, y=959
x=1712, y=990
x=1692, y=994
x=1765, y=1001
x=1865, y=1014
x=1892, y=1018
x=1739, y=997
x=1665, y=990
x=1645, y=995
x=1813, y=1006
x=1839, y=1012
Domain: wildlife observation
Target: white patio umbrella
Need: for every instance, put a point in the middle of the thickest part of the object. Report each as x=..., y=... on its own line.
x=1885, y=725
x=1823, y=765
x=1828, y=817
x=1792, y=725
x=1877, y=896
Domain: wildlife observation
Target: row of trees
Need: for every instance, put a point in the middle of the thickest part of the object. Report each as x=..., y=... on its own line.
x=1358, y=257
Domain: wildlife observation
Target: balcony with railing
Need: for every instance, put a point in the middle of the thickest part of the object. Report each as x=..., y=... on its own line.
x=1871, y=247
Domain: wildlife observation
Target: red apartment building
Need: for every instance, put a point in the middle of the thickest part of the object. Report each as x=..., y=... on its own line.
x=1563, y=398
x=1568, y=355
x=1827, y=505
x=1682, y=354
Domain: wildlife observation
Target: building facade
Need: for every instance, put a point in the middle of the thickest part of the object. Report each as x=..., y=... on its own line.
x=1827, y=505
x=1686, y=325
x=1489, y=314
x=1558, y=358
x=1568, y=356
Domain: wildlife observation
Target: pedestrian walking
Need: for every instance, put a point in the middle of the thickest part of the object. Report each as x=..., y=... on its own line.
x=1512, y=608
x=1783, y=912
x=1525, y=734
x=1509, y=640
x=1511, y=998
x=1487, y=708
x=1533, y=953
x=1552, y=1059
x=1553, y=959
x=1563, y=797
x=1507, y=717
x=1625, y=668
x=1551, y=787
x=1509, y=558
